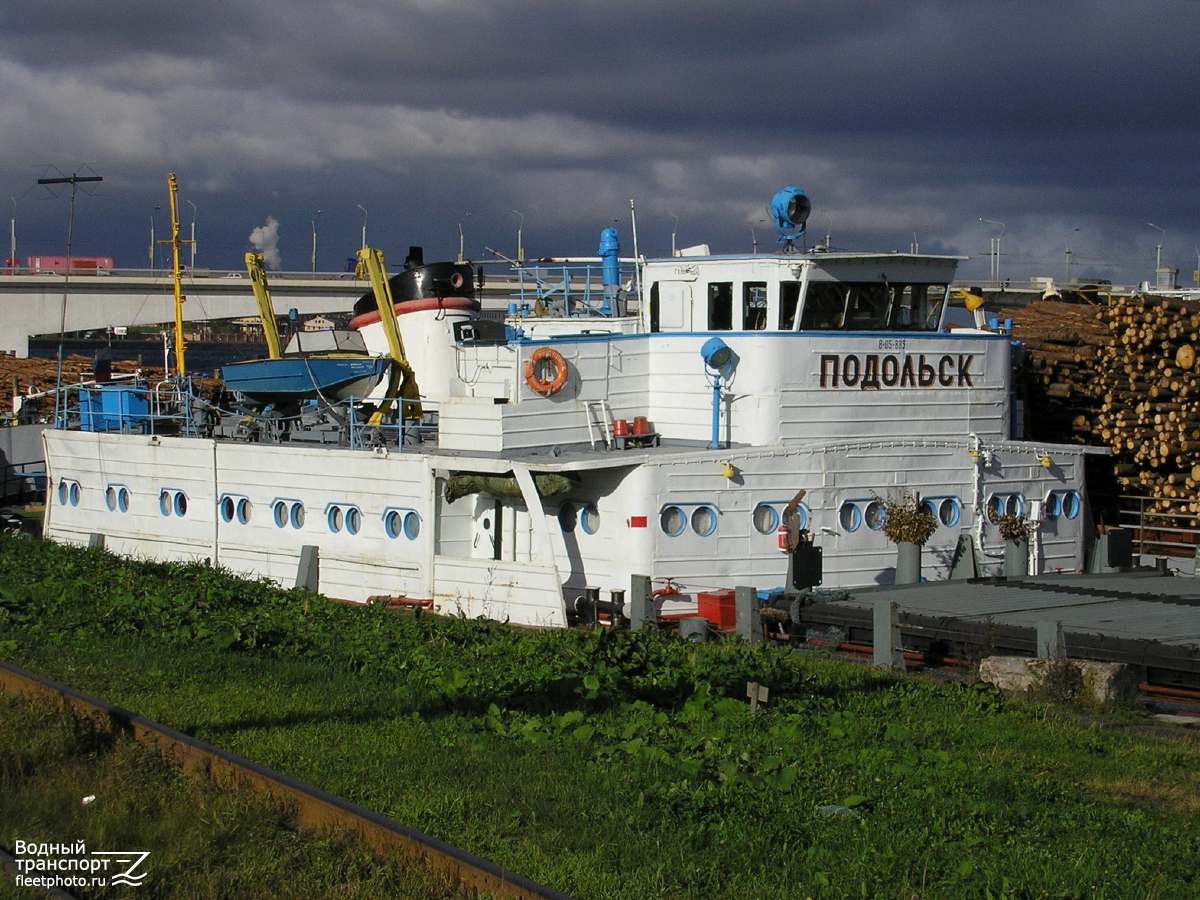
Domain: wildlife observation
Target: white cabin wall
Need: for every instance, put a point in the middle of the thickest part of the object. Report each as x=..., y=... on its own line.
x=145, y=466
x=352, y=566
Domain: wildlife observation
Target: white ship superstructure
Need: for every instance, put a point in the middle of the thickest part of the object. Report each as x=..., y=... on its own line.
x=660, y=435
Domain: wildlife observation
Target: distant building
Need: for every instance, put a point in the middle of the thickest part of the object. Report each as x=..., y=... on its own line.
x=319, y=323
x=251, y=325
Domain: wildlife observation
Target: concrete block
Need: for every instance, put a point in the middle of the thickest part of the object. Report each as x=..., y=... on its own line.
x=694, y=629
x=1102, y=682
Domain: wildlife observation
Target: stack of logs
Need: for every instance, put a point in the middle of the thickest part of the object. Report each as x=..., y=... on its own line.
x=25, y=375
x=1121, y=375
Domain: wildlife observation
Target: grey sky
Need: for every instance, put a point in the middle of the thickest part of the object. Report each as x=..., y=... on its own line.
x=902, y=121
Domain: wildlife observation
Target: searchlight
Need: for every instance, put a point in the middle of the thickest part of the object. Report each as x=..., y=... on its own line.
x=720, y=358
x=789, y=210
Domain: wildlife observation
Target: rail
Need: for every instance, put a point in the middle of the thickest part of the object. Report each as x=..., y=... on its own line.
x=571, y=291
x=1161, y=526
x=21, y=481
x=315, y=810
x=126, y=407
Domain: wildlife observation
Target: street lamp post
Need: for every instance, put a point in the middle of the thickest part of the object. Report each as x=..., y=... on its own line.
x=364, y=233
x=1067, y=279
x=460, y=237
x=193, y=241
x=1158, y=249
x=520, y=246
x=314, y=246
x=995, y=249
x=152, y=244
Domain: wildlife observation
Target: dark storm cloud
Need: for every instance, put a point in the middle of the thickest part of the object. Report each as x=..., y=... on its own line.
x=906, y=121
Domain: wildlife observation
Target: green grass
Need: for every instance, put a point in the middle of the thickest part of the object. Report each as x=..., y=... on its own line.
x=619, y=765
x=203, y=843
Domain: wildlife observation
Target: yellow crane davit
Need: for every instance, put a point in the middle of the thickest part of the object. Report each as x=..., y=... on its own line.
x=175, y=241
x=256, y=267
x=402, y=381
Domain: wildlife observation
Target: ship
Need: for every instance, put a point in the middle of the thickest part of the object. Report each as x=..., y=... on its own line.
x=689, y=419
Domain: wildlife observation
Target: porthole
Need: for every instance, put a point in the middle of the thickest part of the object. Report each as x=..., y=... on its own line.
x=927, y=506
x=110, y=498
x=765, y=518
x=280, y=512
x=180, y=504
x=1014, y=505
x=74, y=493
x=297, y=515
x=335, y=519
x=875, y=515
x=412, y=526
x=228, y=509
x=567, y=517
x=850, y=517
x=353, y=520
x=802, y=512
x=672, y=521
x=244, y=508
x=391, y=523
x=63, y=492
x=164, y=503
x=704, y=520
x=1053, y=507
x=949, y=512
x=1071, y=505
x=589, y=519
x=995, y=507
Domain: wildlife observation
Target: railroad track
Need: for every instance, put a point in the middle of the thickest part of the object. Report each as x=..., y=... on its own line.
x=314, y=809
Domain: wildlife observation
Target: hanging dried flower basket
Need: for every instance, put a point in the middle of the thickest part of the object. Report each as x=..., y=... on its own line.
x=1012, y=527
x=906, y=521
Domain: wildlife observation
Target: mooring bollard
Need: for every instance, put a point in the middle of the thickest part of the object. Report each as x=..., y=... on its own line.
x=887, y=635
x=641, y=602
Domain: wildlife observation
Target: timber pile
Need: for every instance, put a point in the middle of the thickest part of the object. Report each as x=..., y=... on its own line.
x=1124, y=376
x=1063, y=342
x=39, y=374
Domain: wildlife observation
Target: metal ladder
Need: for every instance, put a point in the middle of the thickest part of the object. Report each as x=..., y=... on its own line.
x=600, y=419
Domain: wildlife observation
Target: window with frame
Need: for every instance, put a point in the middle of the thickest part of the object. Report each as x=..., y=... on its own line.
x=720, y=306
x=754, y=306
x=789, y=299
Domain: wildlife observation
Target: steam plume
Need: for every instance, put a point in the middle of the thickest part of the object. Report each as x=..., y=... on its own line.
x=265, y=239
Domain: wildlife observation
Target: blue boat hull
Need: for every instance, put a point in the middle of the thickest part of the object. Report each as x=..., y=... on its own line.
x=293, y=379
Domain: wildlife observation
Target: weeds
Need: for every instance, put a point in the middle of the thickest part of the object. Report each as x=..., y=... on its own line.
x=615, y=765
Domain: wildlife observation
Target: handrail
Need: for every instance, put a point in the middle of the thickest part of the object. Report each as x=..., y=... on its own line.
x=548, y=282
x=1160, y=528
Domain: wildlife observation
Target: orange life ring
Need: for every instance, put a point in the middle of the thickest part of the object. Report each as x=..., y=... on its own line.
x=546, y=386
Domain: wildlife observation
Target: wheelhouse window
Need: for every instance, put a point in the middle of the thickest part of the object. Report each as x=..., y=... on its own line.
x=824, y=307
x=754, y=306
x=917, y=307
x=867, y=307
x=789, y=299
x=720, y=306
x=870, y=306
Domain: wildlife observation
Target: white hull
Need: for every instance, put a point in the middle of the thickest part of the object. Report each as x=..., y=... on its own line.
x=848, y=416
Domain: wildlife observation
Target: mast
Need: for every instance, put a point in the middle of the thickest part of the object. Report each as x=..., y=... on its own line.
x=180, y=344
x=266, y=309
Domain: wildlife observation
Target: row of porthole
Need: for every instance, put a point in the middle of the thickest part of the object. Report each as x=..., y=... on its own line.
x=851, y=516
x=1065, y=504
x=767, y=517
x=586, y=516
x=339, y=517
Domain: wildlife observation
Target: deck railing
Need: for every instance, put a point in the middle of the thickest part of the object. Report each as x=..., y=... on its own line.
x=1161, y=526
x=568, y=290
